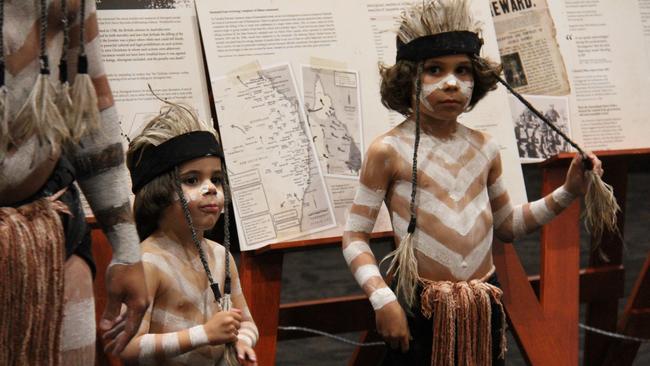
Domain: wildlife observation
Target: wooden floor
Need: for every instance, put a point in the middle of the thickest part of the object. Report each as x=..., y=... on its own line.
x=309, y=276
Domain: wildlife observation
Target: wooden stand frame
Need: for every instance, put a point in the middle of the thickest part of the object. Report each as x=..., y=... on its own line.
x=543, y=310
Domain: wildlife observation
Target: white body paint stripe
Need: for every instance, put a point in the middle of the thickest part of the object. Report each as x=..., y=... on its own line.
x=128, y=252
x=438, y=252
x=358, y=223
x=368, y=197
x=502, y=214
x=170, y=344
x=381, y=297
x=147, y=349
x=460, y=221
x=497, y=188
x=78, y=328
x=355, y=249
x=246, y=339
x=192, y=293
x=366, y=272
x=518, y=223
x=198, y=336
x=563, y=197
x=171, y=321
x=456, y=185
x=541, y=212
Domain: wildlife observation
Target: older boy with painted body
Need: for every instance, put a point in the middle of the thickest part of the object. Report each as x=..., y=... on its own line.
x=460, y=200
x=184, y=324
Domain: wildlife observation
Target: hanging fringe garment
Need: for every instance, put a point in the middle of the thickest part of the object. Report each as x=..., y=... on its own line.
x=31, y=270
x=84, y=114
x=462, y=321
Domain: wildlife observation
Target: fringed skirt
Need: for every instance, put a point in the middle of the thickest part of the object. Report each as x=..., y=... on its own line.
x=455, y=323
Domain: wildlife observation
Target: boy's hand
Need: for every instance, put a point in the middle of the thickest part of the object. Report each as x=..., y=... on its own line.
x=125, y=285
x=576, y=181
x=392, y=326
x=223, y=327
x=245, y=354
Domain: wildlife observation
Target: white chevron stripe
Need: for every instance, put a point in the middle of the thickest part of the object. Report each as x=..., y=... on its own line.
x=461, y=222
x=460, y=267
x=193, y=294
x=171, y=322
x=456, y=185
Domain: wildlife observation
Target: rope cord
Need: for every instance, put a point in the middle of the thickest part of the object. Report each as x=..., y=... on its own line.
x=195, y=239
x=613, y=334
x=331, y=336
x=414, y=172
x=82, y=21
x=42, y=37
x=226, y=229
x=63, y=69
x=381, y=343
x=2, y=40
x=585, y=160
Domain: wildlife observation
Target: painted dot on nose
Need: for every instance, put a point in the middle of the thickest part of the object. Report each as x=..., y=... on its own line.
x=451, y=83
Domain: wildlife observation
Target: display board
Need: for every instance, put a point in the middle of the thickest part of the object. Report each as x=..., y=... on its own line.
x=593, y=55
x=296, y=91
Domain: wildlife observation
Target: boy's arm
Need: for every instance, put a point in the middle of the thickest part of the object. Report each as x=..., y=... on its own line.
x=148, y=348
x=248, y=332
x=511, y=222
x=376, y=176
x=374, y=179
x=102, y=175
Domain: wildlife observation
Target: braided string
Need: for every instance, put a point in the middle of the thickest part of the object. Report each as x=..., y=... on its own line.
x=43, y=32
x=63, y=69
x=195, y=239
x=2, y=38
x=226, y=230
x=82, y=21
x=414, y=173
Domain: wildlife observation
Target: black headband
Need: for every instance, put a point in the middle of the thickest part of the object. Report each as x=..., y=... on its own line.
x=441, y=44
x=156, y=160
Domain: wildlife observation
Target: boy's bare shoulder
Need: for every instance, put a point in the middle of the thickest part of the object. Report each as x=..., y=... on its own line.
x=215, y=247
x=482, y=140
x=384, y=144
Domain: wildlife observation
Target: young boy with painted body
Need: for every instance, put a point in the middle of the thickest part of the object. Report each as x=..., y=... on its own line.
x=184, y=324
x=449, y=310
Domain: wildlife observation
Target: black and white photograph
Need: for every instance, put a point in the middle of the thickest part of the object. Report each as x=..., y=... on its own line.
x=513, y=70
x=535, y=140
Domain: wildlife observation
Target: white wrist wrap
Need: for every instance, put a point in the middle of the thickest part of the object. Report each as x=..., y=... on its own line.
x=360, y=224
x=170, y=344
x=147, y=349
x=562, y=196
x=355, y=249
x=365, y=272
x=198, y=336
x=381, y=297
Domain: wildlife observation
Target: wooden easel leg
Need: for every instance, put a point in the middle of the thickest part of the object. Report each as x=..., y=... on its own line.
x=261, y=278
x=560, y=267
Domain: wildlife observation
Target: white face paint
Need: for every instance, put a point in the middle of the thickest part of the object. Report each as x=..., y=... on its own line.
x=466, y=88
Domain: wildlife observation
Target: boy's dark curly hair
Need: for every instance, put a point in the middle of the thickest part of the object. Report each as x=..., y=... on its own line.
x=398, y=83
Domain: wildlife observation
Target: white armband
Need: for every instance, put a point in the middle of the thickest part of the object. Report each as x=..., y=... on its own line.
x=563, y=197
x=381, y=297
x=355, y=249
x=365, y=272
x=368, y=197
x=360, y=224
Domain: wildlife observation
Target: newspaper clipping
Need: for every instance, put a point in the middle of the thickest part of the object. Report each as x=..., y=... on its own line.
x=532, y=62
